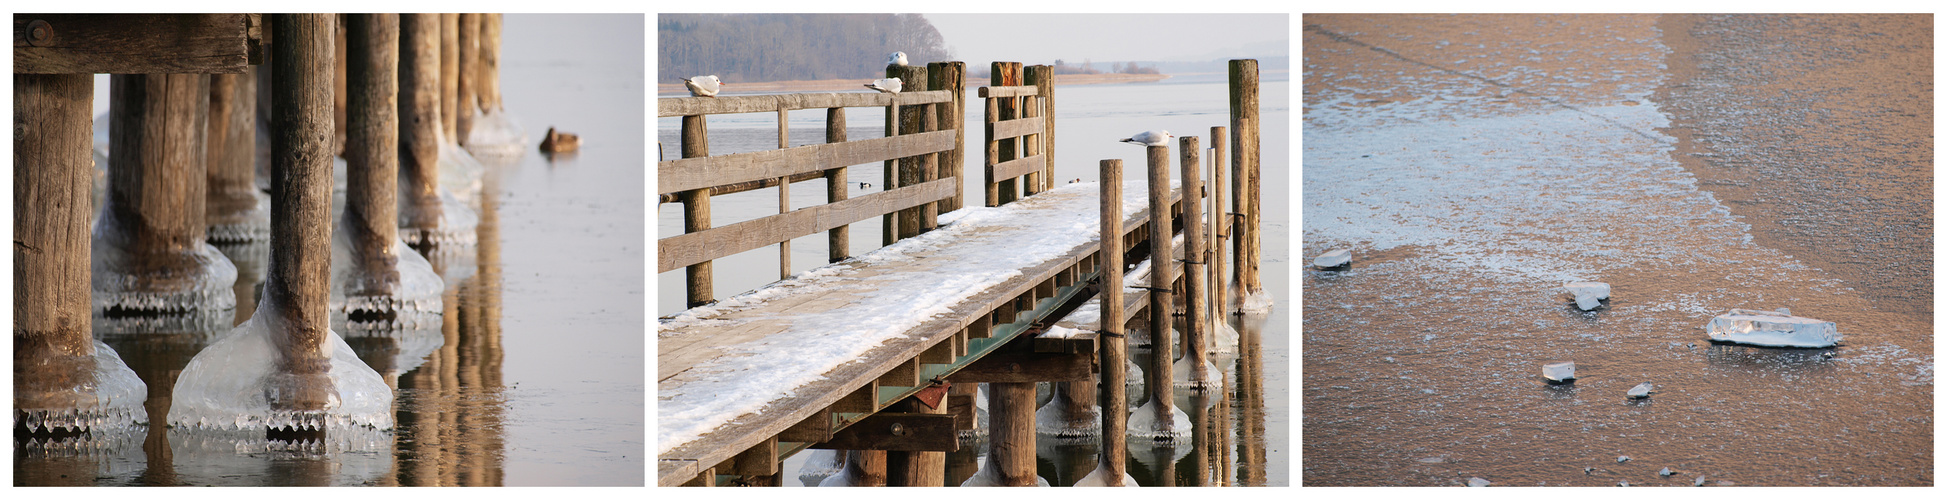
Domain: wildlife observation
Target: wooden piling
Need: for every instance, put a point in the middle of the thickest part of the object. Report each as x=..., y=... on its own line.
x=338, y=96
x=839, y=239
x=916, y=468
x=1220, y=223
x=231, y=155
x=1035, y=182
x=784, y=193
x=1046, y=98
x=419, y=122
x=300, y=255
x=449, y=74
x=1113, y=345
x=488, y=71
x=1196, y=317
x=1244, y=158
x=949, y=76
x=157, y=181
x=371, y=151
x=53, y=177
x=1006, y=108
x=914, y=170
x=1010, y=442
x=469, y=52
x=889, y=178
x=1162, y=278
x=696, y=210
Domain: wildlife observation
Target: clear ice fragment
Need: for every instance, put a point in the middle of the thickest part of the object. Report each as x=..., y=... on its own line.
x=1332, y=259
x=1699, y=482
x=1478, y=482
x=1588, y=294
x=1625, y=458
x=1559, y=373
x=1665, y=472
x=1639, y=392
x=1771, y=329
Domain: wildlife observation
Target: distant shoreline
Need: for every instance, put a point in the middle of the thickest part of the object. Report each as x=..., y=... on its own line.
x=859, y=83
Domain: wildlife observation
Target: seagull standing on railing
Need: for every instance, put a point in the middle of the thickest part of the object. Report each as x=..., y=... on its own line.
x=898, y=58
x=1151, y=138
x=703, y=86
x=887, y=85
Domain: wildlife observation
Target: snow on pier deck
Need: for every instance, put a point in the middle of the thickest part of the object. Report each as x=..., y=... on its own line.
x=735, y=374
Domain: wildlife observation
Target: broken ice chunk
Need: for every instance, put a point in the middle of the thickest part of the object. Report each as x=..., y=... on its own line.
x=1559, y=373
x=1625, y=458
x=1771, y=329
x=1622, y=483
x=1477, y=482
x=1639, y=392
x=1665, y=472
x=1700, y=481
x=1588, y=294
x=1333, y=259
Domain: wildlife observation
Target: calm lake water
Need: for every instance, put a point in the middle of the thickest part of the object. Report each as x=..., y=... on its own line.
x=537, y=377
x=1255, y=412
x=1475, y=163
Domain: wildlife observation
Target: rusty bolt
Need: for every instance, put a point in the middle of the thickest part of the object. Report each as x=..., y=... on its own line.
x=898, y=430
x=39, y=33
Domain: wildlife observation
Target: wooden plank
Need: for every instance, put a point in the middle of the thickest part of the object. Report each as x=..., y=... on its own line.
x=816, y=429
x=1013, y=367
x=133, y=43
x=1015, y=128
x=688, y=106
x=760, y=460
x=1010, y=91
x=904, y=374
x=674, y=472
x=689, y=173
x=714, y=243
x=898, y=432
x=961, y=407
x=865, y=399
x=1016, y=167
x=940, y=354
x=706, y=478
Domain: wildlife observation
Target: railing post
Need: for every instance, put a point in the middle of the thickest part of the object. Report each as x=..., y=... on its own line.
x=1196, y=318
x=992, y=153
x=696, y=209
x=1007, y=74
x=889, y=223
x=1031, y=145
x=1162, y=278
x=784, y=192
x=913, y=119
x=1244, y=156
x=1113, y=345
x=836, y=188
x=949, y=76
x=1220, y=221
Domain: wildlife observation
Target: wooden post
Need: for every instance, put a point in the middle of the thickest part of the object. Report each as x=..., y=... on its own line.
x=300, y=254
x=157, y=186
x=51, y=212
x=1244, y=157
x=1010, y=442
x=696, y=209
x=1035, y=182
x=948, y=76
x=914, y=119
x=889, y=223
x=449, y=75
x=839, y=239
x=784, y=193
x=419, y=122
x=992, y=152
x=916, y=468
x=1007, y=108
x=1113, y=345
x=489, y=68
x=231, y=198
x=1162, y=278
x=338, y=85
x=469, y=52
x=371, y=151
x=1220, y=223
x=1196, y=317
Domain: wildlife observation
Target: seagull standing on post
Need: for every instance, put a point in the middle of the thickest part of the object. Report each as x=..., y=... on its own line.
x=886, y=85
x=703, y=86
x=1151, y=138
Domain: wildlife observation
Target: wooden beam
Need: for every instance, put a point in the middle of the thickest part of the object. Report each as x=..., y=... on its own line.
x=760, y=460
x=686, y=106
x=1016, y=167
x=1009, y=367
x=709, y=171
x=1010, y=91
x=904, y=374
x=897, y=432
x=865, y=399
x=815, y=429
x=675, y=472
x=134, y=43
x=710, y=244
x=961, y=407
x=941, y=353
x=1015, y=128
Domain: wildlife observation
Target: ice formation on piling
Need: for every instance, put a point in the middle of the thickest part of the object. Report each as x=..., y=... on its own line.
x=460, y=173
x=987, y=477
x=1099, y=478
x=246, y=226
x=1144, y=423
x=496, y=137
x=191, y=280
x=110, y=399
x=1772, y=329
x=1053, y=419
x=228, y=385
x=1588, y=294
x=820, y=464
x=414, y=301
x=456, y=224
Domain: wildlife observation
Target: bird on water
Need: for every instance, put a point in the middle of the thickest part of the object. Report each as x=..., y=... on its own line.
x=897, y=58
x=887, y=85
x=703, y=86
x=1151, y=138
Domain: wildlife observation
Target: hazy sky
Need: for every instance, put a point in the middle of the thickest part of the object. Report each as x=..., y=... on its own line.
x=1042, y=38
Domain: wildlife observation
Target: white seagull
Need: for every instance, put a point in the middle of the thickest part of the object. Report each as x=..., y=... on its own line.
x=898, y=58
x=703, y=86
x=887, y=85
x=1151, y=138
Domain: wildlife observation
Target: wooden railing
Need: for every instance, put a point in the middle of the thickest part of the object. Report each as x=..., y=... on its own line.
x=1020, y=135
x=915, y=187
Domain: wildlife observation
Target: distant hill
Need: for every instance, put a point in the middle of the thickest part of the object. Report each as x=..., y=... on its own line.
x=775, y=47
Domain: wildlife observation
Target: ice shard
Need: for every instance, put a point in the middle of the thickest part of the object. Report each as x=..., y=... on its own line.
x=1639, y=392
x=1333, y=259
x=1559, y=373
x=1588, y=294
x=1771, y=329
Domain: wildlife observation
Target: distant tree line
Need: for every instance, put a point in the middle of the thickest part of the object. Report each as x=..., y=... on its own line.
x=773, y=47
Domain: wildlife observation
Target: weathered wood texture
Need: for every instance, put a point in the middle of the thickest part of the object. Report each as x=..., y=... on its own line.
x=1031, y=144
x=718, y=242
x=157, y=162
x=1114, y=345
x=1009, y=91
x=53, y=178
x=1015, y=128
x=469, y=44
x=231, y=148
x=687, y=106
x=1220, y=222
x=1244, y=158
x=894, y=431
x=300, y=258
x=489, y=68
x=837, y=189
x=1016, y=167
x=699, y=287
x=1196, y=318
x=1010, y=441
x=1161, y=277
x=1003, y=190
x=913, y=170
x=371, y=151
x=700, y=172
x=134, y=43
x=419, y=121
x=449, y=74
x=949, y=77
x=1046, y=101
